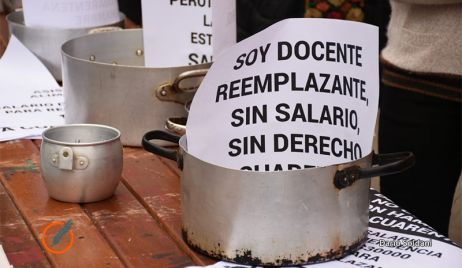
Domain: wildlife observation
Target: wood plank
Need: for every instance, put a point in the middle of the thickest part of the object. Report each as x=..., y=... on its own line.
x=19, y=173
x=158, y=188
x=37, y=143
x=18, y=242
x=134, y=234
x=172, y=165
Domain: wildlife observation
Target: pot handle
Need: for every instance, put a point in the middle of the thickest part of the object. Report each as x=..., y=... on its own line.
x=387, y=164
x=159, y=150
x=105, y=29
x=187, y=75
x=174, y=92
x=176, y=125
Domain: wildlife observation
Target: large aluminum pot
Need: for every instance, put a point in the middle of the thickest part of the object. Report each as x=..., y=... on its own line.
x=275, y=218
x=46, y=43
x=105, y=82
x=82, y=162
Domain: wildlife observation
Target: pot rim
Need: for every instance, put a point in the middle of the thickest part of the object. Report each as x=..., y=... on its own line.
x=15, y=18
x=183, y=144
x=66, y=54
x=57, y=128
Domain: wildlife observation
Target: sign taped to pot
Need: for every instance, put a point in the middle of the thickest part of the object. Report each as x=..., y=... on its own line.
x=71, y=13
x=301, y=93
x=186, y=41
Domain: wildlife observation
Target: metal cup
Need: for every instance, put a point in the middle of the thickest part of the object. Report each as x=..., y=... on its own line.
x=81, y=162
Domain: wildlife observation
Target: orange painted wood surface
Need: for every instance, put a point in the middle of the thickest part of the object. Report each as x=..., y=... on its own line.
x=16, y=238
x=20, y=175
x=134, y=234
x=140, y=226
x=158, y=188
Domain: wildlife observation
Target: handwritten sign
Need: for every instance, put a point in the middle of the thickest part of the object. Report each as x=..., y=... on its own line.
x=70, y=13
x=302, y=93
x=32, y=100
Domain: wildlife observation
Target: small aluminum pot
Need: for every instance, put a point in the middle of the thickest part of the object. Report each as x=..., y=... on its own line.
x=275, y=218
x=46, y=43
x=81, y=163
x=105, y=82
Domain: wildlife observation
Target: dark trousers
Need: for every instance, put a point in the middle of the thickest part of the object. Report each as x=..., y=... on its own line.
x=431, y=128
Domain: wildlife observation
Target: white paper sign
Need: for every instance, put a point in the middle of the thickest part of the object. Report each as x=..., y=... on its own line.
x=222, y=264
x=32, y=100
x=386, y=249
x=395, y=238
x=224, y=33
x=177, y=32
x=303, y=92
x=70, y=13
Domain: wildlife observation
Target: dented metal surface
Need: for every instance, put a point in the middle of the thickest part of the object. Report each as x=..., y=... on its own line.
x=244, y=256
x=272, y=218
x=275, y=218
x=81, y=163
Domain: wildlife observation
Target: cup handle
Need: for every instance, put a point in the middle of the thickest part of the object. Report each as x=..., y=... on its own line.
x=65, y=158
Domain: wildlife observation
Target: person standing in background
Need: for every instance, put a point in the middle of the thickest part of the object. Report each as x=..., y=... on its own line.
x=132, y=12
x=255, y=15
x=420, y=105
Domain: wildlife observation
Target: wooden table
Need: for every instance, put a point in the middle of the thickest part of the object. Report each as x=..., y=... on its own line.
x=139, y=226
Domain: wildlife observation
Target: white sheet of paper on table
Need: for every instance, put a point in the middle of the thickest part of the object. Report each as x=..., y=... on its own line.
x=31, y=98
x=395, y=238
x=21, y=69
x=223, y=264
x=220, y=102
x=70, y=13
x=4, y=263
x=439, y=254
